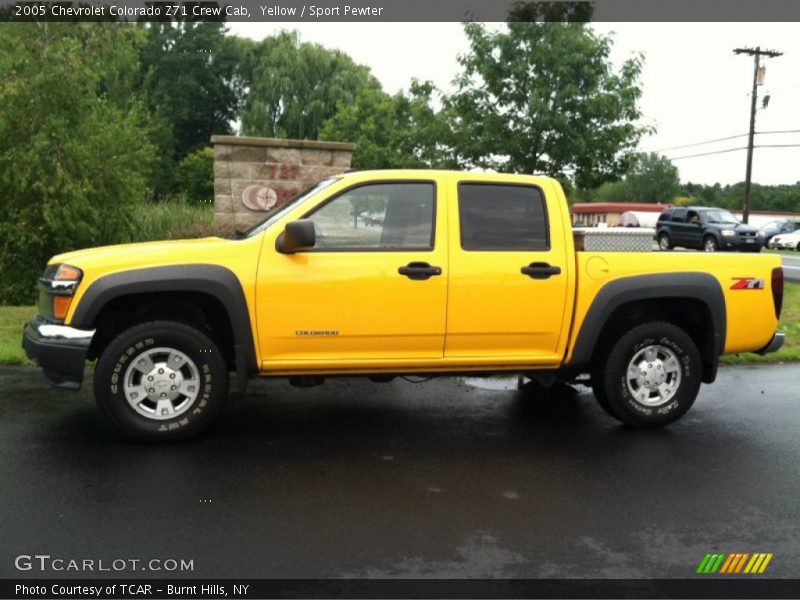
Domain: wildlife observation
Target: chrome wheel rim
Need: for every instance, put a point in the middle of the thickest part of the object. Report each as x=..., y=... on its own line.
x=654, y=375
x=664, y=242
x=161, y=383
x=710, y=246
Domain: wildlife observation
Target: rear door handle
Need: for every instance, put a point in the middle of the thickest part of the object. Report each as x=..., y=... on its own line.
x=540, y=270
x=419, y=271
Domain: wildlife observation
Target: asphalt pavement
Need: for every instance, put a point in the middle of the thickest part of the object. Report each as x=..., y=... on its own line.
x=791, y=267
x=448, y=478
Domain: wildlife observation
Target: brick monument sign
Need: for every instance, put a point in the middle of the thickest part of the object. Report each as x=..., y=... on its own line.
x=253, y=175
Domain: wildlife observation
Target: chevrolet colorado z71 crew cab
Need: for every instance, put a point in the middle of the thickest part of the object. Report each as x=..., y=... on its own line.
x=382, y=273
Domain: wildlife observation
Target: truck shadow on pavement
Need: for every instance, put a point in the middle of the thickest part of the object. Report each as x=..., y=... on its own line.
x=354, y=416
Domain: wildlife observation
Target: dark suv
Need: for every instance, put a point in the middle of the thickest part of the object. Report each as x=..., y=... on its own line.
x=708, y=229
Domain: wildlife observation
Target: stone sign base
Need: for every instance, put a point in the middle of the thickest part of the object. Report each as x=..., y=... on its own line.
x=253, y=175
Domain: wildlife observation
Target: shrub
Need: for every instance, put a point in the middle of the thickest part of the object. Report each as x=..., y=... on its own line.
x=74, y=151
x=196, y=175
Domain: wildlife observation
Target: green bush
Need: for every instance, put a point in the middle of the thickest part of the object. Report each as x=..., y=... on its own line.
x=74, y=150
x=196, y=175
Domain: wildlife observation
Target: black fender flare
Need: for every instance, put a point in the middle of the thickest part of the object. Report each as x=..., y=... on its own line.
x=214, y=280
x=702, y=287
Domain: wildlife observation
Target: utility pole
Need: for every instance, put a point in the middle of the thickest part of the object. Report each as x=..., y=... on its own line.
x=757, y=53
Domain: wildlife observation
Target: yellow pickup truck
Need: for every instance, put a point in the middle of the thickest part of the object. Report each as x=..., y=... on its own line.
x=385, y=273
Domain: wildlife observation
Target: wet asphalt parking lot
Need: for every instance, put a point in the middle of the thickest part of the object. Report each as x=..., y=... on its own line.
x=446, y=478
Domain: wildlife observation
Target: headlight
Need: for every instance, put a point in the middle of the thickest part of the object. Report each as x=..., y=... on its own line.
x=728, y=232
x=56, y=288
x=761, y=234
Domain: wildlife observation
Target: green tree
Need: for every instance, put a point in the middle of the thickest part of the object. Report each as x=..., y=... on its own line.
x=392, y=131
x=189, y=73
x=652, y=178
x=544, y=98
x=612, y=191
x=295, y=87
x=74, y=150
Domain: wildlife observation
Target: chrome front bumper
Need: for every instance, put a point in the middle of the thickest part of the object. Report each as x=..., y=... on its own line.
x=59, y=350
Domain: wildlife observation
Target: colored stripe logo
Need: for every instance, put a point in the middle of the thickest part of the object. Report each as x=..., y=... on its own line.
x=735, y=563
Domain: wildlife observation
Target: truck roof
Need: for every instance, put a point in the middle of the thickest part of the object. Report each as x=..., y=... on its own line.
x=422, y=173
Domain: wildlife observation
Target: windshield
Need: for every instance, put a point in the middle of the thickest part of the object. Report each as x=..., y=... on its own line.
x=273, y=215
x=773, y=224
x=720, y=216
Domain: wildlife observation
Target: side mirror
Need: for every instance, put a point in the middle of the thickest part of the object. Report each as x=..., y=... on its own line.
x=298, y=235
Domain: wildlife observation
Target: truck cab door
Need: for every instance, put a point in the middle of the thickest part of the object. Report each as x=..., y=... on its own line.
x=372, y=288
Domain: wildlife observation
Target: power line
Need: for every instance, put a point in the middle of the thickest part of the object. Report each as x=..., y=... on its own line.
x=780, y=131
x=723, y=139
x=708, y=153
x=778, y=146
x=734, y=150
x=732, y=137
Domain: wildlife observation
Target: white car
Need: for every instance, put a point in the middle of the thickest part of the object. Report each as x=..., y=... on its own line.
x=786, y=241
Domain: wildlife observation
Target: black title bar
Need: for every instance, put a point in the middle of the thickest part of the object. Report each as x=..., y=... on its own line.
x=367, y=11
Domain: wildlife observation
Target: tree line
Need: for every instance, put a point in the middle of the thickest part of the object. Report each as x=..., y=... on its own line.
x=98, y=118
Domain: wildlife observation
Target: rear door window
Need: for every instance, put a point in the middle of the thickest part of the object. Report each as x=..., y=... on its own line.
x=502, y=217
x=679, y=216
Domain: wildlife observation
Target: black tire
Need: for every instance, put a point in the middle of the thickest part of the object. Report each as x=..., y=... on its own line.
x=618, y=395
x=598, y=385
x=664, y=241
x=710, y=244
x=197, y=408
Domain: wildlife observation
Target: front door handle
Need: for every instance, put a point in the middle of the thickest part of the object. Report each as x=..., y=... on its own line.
x=540, y=270
x=419, y=271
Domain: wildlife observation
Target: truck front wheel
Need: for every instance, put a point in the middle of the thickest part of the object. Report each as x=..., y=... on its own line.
x=161, y=381
x=652, y=374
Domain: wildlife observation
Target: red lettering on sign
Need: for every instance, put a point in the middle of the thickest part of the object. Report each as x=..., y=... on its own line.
x=283, y=170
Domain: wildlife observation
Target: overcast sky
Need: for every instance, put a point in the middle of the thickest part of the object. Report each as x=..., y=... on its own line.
x=695, y=88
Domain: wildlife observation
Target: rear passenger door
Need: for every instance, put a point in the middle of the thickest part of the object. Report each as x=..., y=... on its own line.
x=678, y=227
x=508, y=282
x=694, y=229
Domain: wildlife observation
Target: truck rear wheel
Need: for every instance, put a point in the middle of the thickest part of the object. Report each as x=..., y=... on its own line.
x=651, y=375
x=161, y=381
x=598, y=386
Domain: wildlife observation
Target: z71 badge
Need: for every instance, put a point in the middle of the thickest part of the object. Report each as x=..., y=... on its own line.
x=747, y=283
